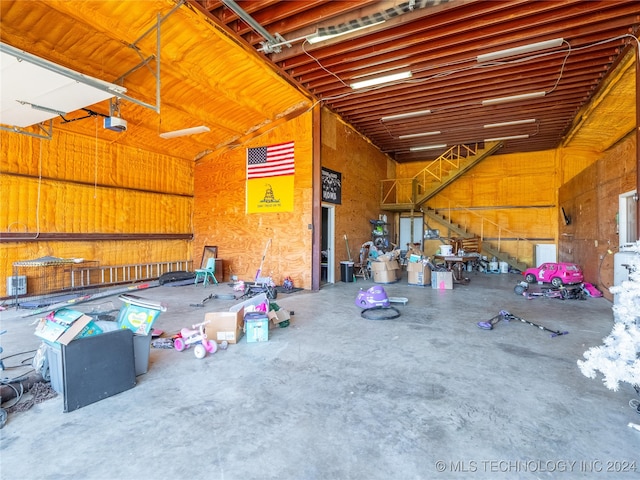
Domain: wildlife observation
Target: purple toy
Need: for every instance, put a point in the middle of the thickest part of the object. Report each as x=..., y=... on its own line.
x=372, y=298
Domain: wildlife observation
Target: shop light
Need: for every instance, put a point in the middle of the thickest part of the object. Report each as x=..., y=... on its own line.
x=510, y=52
x=427, y=147
x=317, y=37
x=513, y=122
x=513, y=98
x=512, y=137
x=394, y=77
x=417, y=135
x=185, y=131
x=402, y=116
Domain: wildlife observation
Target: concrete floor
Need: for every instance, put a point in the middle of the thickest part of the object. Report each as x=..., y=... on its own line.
x=334, y=396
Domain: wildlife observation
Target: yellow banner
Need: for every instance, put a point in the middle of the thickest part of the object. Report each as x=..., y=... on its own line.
x=271, y=194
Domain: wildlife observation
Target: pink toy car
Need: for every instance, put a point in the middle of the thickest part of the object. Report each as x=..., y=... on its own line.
x=557, y=274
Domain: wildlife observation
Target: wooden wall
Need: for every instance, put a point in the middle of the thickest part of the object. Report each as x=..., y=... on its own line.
x=74, y=188
x=503, y=198
x=220, y=217
x=591, y=199
x=362, y=167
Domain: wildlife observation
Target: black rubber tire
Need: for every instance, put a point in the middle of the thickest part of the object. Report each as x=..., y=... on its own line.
x=519, y=289
x=556, y=282
x=380, y=313
x=530, y=278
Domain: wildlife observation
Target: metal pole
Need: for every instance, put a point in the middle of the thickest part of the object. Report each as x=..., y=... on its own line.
x=231, y=4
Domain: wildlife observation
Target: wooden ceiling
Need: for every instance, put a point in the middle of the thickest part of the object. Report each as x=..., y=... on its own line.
x=439, y=41
x=243, y=67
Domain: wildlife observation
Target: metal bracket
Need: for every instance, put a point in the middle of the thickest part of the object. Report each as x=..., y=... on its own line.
x=48, y=130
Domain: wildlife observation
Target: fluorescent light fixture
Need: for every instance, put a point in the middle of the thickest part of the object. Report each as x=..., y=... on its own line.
x=510, y=52
x=379, y=80
x=427, y=147
x=513, y=122
x=513, y=98
x=416, y=135
x=512, y=137
x=185, y=131
x=402, y=116
x=317, y=38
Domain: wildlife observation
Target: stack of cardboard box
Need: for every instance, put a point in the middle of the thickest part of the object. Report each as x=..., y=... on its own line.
x=386, y=269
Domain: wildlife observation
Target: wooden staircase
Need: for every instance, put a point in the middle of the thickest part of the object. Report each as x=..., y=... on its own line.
x=411, y=194
x=402, y=195
x=489, y=249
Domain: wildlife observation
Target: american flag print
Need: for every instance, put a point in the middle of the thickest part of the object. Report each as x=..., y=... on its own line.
x=271, y=161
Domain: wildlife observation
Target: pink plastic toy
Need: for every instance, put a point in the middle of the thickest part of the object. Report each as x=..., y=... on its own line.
x=197, y=337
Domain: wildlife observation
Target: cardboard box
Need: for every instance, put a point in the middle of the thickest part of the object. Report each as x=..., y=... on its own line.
x=442, y=280
x=385, y=276
x=49, y=330
x=385, y=271
x=224, y=325
x=278, y=316
x=256, y=326
x=418, y=274
x=64, y=325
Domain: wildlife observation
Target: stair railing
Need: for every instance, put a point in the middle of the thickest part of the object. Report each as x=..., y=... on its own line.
x=398, y=191
x=406, y=190
x=435, y=168
x=502, y=232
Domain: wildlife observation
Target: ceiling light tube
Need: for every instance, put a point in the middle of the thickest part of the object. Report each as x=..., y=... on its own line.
x=416, y=135
x=380, y=80
x=185, y=131
x=402, y=116
x=510, y=52
x=514, y=98
x=513, y=122
x=317, y=38
x=427, y=147
x=512, y=137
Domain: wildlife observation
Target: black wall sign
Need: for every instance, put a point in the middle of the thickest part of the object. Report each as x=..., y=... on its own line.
x=331, y=186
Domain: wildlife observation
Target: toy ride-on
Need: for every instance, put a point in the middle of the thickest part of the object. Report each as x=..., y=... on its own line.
x=197, y=337
x=261, y=285
x=376, y=304
x=557, y=274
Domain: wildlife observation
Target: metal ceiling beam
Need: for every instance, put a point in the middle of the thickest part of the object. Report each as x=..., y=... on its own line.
x=270, y=39
x=412, y=38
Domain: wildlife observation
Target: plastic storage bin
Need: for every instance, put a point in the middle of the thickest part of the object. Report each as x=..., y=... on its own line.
x=141, y=346
x=256, y=325
x=54, y=358
x=141, y=349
